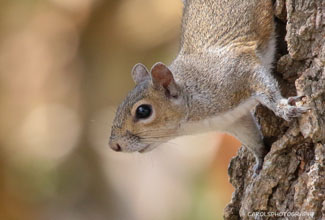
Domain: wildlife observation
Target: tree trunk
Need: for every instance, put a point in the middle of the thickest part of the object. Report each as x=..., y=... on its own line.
x=292, y=181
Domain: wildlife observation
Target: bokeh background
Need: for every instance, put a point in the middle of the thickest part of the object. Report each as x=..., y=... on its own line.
x=64, y=67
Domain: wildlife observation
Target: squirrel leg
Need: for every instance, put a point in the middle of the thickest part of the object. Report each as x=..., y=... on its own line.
x=246, y=130
x=268, y=94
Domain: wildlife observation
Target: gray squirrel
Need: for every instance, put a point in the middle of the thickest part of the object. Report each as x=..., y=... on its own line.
x=222, y=71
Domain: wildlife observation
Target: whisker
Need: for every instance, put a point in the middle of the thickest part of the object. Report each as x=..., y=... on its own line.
x=154, y=142
x=173, y=143
x=165, y=130
x=155, y=137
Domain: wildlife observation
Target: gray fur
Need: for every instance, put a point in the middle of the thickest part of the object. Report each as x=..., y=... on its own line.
x=222, y=71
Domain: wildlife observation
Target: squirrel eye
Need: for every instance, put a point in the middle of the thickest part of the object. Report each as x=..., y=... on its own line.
x=143, y=112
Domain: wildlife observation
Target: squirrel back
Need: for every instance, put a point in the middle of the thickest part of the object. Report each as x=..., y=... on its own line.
x=207, y=24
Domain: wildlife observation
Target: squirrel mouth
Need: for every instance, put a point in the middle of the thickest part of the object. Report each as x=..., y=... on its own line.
x=145, y=149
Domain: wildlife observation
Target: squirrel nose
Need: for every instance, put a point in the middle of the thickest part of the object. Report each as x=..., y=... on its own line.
x=115, y=146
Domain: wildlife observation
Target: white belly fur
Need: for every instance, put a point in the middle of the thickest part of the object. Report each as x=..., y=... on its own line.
x=220, y=122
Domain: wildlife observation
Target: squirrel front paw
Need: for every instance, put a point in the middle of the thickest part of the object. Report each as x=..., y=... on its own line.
x=287, y=108
x=258, y=167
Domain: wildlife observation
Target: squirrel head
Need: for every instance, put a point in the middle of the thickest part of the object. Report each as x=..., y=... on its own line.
x=151, y=113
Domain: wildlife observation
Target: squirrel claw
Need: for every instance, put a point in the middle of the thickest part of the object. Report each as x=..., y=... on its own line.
x=293, y=99
x=288, y=108
x=294, y=112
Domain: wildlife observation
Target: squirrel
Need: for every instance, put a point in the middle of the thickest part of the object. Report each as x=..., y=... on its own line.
x=222, y=71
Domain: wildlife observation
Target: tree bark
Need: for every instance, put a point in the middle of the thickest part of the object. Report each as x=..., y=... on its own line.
x=291, y=184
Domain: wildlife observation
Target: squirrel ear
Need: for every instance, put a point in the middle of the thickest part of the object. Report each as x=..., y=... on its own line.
x=163, y=77
x=139, y=73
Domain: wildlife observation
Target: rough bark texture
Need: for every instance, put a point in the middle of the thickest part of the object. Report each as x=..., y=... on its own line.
x=292, y=180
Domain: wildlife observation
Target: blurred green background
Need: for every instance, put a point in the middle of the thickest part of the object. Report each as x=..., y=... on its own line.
x=64, y=67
